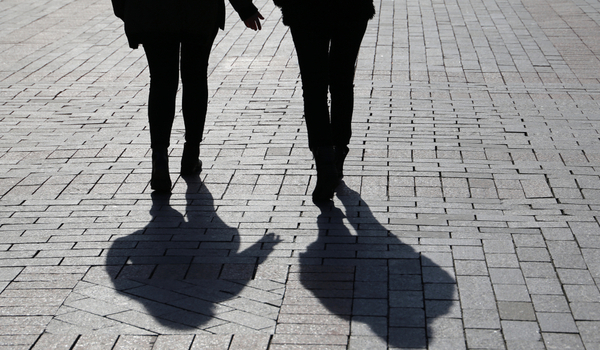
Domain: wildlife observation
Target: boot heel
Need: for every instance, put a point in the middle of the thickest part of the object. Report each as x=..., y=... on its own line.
x=327, y=177
x=160, y=181
x=190, y=164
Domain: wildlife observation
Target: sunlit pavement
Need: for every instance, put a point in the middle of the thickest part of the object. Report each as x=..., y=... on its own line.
x=467, y=219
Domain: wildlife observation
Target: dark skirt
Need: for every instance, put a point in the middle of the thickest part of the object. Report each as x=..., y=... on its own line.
x=146, y=19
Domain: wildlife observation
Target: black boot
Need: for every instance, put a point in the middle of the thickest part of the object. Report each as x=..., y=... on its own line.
x=160, y=182
x=327, y=178
x=340, y=155
x=190, y=164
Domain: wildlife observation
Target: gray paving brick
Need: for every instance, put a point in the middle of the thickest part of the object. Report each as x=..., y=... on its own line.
x=502, y=260
x=516, y=311
x=550, y=303
x=55, y=341
x=557, y=322
x=447, y=344
x=524, y=332
x=95, y=341
x=485, y=319
x=484, y=338
x=362, y=342
x=135, y=342
x=582, y=293
x=588, y=335
x=533, y=254
x=562, y=341
x=498, y=246
x=538, y=270
x=506, y=276
x=258, y=342
x=575, y=276
x=476, y=292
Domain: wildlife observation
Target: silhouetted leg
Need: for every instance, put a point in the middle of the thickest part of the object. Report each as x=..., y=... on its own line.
x=163, y=62
x=312, y=48
x=195, y=51
x=345, y=45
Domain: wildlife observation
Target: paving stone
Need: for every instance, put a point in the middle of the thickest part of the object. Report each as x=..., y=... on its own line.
x=544, y=286
x=211, y=341
x=582, y=293
x=557, y=322
x=96, y=341
x=516, y=311
x=506, y=276
x=362, y=342
x=550, y=303
x=511, y=292
x=135, y=342
x=258, y=342
x=477, y=292
x=486, y=319
x=562, y=341
x=575, y=276
x=407, y=338
x=55, y=341
x=484, y=338
x=522, y=335
x=585, y=311
x=447, y=344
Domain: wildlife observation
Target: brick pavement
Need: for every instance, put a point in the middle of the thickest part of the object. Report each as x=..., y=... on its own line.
x=468, y=218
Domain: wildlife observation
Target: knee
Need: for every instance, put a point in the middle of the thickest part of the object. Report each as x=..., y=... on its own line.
x=342, y=87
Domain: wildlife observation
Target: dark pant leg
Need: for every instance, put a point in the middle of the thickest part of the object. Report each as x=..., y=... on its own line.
x=195, y=51
x=345, y=45
x=163, y=61
x=312, y=49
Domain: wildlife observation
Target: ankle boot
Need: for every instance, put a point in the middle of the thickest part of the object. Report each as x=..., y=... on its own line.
x=190, y=164
x=327, y=178
x=160, y=181
x=340, y=156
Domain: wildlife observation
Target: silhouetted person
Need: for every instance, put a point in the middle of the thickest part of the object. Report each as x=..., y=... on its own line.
x=327, y=35
x=372, y=277
x=165, y=263
x=166, y=30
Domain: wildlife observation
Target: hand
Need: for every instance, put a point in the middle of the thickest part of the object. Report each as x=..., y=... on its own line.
x=253, y=22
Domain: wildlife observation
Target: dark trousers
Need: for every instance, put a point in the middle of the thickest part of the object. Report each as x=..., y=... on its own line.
x=164, y=54
x=327, y=58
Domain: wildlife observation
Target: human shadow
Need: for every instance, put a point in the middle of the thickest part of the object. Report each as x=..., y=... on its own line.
x=181, y=271
x=373, y=279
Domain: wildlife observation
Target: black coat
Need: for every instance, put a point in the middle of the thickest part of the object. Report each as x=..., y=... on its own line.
x=316, y=13
x=151, y=17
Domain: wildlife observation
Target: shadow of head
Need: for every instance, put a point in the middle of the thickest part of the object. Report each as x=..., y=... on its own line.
x=363, y=273
x=180, y=268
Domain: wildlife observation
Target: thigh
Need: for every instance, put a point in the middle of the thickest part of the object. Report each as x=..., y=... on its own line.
x=312, y=49
x=162, y=54
x=195, y=52
x=346, y=39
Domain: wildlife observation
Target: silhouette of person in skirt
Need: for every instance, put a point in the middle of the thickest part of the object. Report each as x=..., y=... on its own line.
x=171, y=32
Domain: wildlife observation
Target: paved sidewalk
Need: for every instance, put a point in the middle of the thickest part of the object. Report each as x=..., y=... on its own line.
x=468, y=217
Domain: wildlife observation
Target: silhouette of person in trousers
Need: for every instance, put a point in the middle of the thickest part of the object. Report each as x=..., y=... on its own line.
x=171, y=32
x=327, y=35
